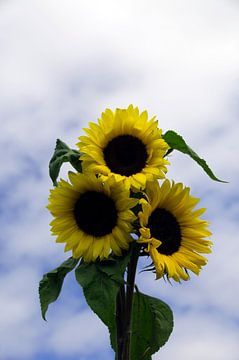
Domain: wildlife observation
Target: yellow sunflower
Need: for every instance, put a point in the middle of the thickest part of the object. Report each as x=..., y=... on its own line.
x=173, y=231
x=125, y=145
x=92, y=218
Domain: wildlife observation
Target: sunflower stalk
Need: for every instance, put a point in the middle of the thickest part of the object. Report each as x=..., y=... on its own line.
x=124, y=336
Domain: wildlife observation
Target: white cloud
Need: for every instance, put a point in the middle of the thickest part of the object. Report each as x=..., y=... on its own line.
x=197, y=336
x=71, y=329
x=63, y=62
x=19, y=336
x=68, y=338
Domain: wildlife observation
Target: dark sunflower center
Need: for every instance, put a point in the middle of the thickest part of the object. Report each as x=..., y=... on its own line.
x=125, y=155
x=95, y=213
x=164, y=226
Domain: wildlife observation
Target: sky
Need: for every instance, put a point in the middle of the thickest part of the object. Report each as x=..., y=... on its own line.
x=62, y=63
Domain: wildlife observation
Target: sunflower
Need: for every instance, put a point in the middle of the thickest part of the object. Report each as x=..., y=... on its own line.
x=173, y=230
x=92, y=218
x=125, y=145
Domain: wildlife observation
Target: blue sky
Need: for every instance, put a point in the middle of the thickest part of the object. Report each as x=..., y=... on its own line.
x=62, y=63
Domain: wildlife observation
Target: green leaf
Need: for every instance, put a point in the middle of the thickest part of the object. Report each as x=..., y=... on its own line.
x=152, y=324
x=101, y=282
x=63, y=154
x=51, y=284
x=177, y=142
x=115, y=267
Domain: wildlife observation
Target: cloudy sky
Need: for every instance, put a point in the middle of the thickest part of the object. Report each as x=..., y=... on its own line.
x=62, y=62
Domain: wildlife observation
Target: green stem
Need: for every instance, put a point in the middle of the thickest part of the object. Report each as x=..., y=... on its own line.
x=129, y=302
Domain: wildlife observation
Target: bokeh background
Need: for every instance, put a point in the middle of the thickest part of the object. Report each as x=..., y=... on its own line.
x=61, y=64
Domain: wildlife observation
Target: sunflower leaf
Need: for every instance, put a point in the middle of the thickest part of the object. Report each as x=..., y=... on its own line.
x=63, y=154
x=115, y=271
x=101, y=282
x=152, y=324
x=176, y=142
x=51, y=284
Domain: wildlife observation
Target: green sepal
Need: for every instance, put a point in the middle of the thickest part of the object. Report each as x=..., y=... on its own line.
x=176, y=142
x=63, y=153
x=51, y=284
x=101, y=281
x=152, y=324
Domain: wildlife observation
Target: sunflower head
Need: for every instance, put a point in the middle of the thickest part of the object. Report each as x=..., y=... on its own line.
x=172, y=231
x=125, y=145
x=92, y=218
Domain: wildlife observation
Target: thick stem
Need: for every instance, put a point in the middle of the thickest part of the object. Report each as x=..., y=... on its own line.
x=129, y=302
